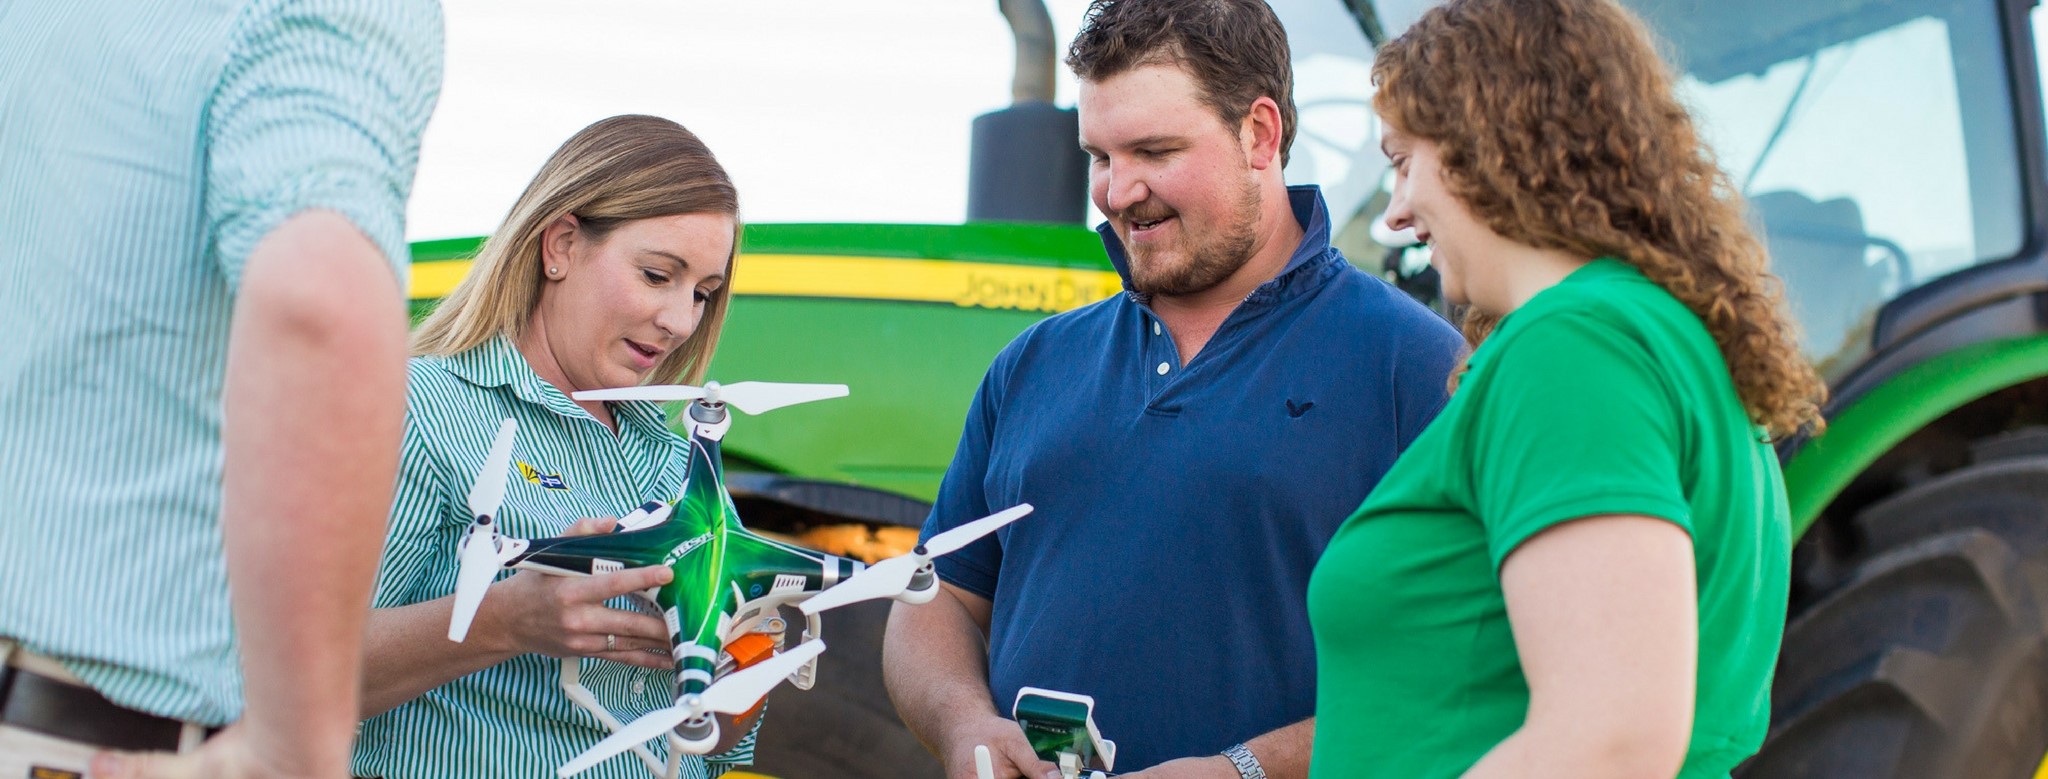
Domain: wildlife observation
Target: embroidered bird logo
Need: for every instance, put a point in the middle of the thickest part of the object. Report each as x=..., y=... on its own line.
x=534, y=475
x=1296, y=410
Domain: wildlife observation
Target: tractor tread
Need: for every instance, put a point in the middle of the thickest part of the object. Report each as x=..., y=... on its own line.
x=1850, y=636
x=2025, y=442
x=1865, y=731
x=1930, y=661
x=2007, y=496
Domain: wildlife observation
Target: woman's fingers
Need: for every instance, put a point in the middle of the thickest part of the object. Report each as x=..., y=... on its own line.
x=593, y=526
x=623, y=625
x=598, y=589
x=567, y=616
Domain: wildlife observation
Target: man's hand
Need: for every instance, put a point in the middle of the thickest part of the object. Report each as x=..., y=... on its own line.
x=228, y=755
x=1211, y=767
x=1007, y=750
x=936, y=666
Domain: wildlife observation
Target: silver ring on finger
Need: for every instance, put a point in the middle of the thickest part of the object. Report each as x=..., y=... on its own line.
x=611, y=642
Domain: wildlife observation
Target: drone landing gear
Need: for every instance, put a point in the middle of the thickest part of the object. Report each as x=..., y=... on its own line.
x=748, y=647
x=572, y=686
x=808, y=675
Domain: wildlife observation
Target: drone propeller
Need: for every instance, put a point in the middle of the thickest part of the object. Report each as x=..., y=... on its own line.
x=479, y=561
x=890, y=578
x=734, y=694
x=753, y=397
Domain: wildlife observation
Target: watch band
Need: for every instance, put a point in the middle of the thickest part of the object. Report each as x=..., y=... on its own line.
x=1247, y=763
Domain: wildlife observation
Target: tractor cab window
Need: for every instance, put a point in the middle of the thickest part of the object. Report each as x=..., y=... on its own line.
x=1873, y=140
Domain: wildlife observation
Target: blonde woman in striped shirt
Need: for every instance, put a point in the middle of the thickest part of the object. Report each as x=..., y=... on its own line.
x=611, y=270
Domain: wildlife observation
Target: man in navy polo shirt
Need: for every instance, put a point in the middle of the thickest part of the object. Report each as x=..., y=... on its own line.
x=1190, y=445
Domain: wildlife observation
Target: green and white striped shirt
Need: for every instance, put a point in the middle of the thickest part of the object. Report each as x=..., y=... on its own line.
x=513, y=719
x=146, y=146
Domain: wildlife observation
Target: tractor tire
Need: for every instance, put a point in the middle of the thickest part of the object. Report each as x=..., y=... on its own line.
x=1931, y=660
x=844, y=726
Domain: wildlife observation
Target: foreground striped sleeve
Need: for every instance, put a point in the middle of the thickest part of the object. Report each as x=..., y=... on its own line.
x=321, y=106
x=414, y=544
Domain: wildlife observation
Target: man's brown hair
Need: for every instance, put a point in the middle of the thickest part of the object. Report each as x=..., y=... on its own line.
x=1236, y=51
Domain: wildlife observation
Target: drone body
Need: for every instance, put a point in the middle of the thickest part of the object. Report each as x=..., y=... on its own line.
x=728, y=582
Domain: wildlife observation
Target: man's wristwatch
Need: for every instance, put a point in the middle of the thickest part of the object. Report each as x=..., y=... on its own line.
x=1247, y=763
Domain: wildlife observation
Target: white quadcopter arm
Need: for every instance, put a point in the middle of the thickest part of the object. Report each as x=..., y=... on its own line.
x=734, y=694
x=899, y=577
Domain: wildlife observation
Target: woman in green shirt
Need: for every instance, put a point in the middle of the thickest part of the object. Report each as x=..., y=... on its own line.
x=609, y=271
x=1580, y=568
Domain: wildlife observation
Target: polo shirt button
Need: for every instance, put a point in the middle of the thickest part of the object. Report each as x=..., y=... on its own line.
x=1155, y=328
x=639, y=686
x=1163, y=369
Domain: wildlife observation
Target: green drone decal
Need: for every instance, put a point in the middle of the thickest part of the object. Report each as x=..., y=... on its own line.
x=728, y=581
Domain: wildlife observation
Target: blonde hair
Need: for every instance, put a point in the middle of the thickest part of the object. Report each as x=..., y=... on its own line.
x=1559, y=129
x=614, y=171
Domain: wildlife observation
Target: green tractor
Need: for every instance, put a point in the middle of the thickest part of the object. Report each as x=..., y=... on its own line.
x=1894, y=156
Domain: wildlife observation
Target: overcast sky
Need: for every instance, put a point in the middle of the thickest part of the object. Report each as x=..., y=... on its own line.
x=822, y=110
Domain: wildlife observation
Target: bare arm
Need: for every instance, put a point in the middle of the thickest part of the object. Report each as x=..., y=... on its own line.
x=1282, y=753
x=1604, y=611
x=407, y=651
x=935, y=661
x=935, y=664
x=314, y=399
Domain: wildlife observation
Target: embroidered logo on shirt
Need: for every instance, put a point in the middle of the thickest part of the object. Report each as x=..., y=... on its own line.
x=551, y=481
x=1295, y=411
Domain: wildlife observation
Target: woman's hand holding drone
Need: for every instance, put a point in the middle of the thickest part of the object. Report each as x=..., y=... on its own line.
x=562, y=616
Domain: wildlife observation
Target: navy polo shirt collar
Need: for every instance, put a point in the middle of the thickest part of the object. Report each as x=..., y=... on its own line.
x=1313, y=258
x=498, y=363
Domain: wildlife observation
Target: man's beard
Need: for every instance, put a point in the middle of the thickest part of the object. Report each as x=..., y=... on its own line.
x=1206, y=265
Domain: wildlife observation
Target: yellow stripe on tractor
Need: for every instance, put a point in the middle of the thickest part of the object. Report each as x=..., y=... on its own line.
x=965, y=284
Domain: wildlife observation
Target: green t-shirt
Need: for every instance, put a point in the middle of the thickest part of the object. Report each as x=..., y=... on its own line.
x=1601, y=395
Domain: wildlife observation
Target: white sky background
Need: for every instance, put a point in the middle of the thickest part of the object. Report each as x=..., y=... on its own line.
x=844, y=110
x=822, y=110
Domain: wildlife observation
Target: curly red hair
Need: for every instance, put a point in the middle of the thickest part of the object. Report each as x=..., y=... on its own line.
x=1557, y=126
